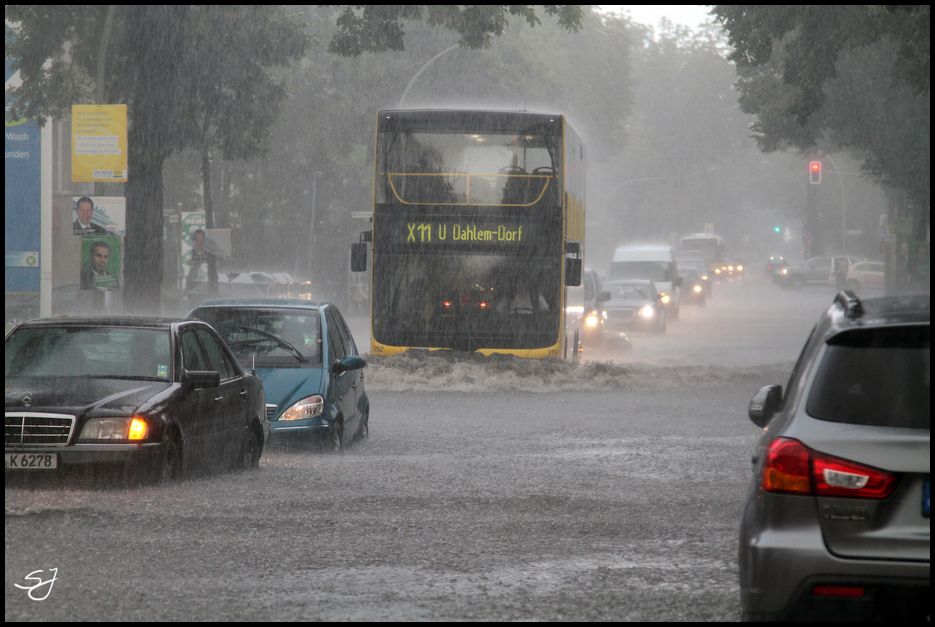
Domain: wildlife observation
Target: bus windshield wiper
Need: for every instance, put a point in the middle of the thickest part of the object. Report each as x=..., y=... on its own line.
x=289, y=347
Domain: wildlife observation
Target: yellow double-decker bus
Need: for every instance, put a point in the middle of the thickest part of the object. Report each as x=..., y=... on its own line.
x=477, y=233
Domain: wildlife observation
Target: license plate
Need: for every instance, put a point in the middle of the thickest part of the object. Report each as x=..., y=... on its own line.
x=926, y=498
x=30, y=461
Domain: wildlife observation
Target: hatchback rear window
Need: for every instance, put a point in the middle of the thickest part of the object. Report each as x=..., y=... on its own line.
x=877, y=376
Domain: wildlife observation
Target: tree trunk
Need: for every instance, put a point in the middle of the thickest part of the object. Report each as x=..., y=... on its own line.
x=159, y=31
x=143, y=254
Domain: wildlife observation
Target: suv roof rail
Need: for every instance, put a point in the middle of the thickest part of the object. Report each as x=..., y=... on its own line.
x=852, y=306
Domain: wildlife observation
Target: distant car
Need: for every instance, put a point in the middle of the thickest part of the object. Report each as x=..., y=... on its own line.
x=653, y=263
x=836, y=522
x=308, y=361
x=693, y=287
x=634, y=305
x=703, y=269
x=815, y=270
x=736, y=265
x=730, y=267
x=865, y=275
x=775, y=263
x=146, y=398
x=594, y=312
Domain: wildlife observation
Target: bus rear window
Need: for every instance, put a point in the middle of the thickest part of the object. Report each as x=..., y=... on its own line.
x=879, y=377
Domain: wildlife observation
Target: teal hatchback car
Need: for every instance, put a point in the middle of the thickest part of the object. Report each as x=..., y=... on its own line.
x=307, y=359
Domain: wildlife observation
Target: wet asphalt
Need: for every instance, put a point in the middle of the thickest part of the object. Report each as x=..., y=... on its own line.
x=616, y=504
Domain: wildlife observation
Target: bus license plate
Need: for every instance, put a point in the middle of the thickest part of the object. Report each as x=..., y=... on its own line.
x=927, y=498
x=30, y=461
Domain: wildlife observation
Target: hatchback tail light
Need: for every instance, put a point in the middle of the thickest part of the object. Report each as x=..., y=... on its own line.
x=793, y=468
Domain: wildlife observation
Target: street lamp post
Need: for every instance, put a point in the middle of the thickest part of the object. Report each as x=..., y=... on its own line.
x=422, y=69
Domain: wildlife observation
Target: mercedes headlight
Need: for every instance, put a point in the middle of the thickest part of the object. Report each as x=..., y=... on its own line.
x=308, y=407
x=132, y=428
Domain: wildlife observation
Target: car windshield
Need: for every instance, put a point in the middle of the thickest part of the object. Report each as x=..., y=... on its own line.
x=106, y=352
x=650, y=270
x=878, y=376
x=275, y=337
x=690, y=264
x=629, y=292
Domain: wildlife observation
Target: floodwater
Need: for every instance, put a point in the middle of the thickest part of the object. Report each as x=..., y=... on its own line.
x=487, y=490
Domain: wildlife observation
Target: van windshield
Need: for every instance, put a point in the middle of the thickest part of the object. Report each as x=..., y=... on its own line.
x=650, y=270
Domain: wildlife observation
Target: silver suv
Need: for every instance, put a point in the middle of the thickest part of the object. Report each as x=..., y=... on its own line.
x=836, y=521
x=815, y=270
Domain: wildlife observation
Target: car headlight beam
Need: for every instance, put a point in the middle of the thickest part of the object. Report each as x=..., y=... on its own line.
x=309, y=407
x=133, y=428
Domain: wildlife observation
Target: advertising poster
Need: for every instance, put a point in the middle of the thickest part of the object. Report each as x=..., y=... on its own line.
x=99, y=215
x=218, y=243
x=99, y=143
x=100, y=262
x=193, y=267
x=21, y=207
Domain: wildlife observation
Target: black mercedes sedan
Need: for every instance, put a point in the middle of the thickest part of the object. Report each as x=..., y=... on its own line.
x=149, y=398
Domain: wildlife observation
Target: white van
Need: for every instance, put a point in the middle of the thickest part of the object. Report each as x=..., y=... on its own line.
x=655, y=263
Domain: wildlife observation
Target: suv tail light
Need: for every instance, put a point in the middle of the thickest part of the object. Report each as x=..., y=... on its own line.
x=793, y=468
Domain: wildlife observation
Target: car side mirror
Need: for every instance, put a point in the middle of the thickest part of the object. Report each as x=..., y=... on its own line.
x=202, y=378
x=351, y=362
x=605, y=296
x=764, y=405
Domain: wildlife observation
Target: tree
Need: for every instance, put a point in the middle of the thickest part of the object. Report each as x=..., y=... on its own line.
x=291, y=211
x=185, y=83
x=841, y=76
x=377, y=27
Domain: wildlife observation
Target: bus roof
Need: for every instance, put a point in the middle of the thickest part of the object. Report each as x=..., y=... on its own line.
x=474, y=119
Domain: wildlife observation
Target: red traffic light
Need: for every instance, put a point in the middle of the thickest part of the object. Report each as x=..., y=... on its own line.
x=814, y=172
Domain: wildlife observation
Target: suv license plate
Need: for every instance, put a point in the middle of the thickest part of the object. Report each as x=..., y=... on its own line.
x=30, y=461
x=927, y=498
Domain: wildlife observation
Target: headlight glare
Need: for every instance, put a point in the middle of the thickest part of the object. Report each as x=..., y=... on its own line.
x=114, y=429
x=308, y=407
x=647, y=311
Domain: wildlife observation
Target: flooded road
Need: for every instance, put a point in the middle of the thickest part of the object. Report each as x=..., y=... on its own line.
x=616, y=501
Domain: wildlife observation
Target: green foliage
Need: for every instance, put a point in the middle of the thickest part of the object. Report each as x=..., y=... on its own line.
x=191, y=76
x=841, y=76
x=378, y=28
x=321, y=147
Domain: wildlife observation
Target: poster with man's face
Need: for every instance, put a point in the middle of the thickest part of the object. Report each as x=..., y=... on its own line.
x=100, y=262
x=99, y=215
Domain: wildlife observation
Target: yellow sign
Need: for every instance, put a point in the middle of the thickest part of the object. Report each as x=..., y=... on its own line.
x=421, y=233
x=99, y=143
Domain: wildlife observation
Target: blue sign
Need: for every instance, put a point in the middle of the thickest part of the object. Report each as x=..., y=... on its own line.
x=21, y=204
x=22, y=195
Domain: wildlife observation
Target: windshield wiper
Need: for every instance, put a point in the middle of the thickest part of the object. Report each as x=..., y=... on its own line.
x=279, y=341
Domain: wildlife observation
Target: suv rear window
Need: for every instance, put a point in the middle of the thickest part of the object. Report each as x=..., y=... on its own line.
x=877, y=376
